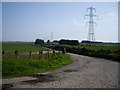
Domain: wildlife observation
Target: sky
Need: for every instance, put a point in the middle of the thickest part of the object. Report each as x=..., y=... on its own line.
x=0, y=22
x=27, y=21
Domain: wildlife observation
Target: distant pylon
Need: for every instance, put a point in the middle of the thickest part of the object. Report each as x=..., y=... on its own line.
x=91, y=34
x=51, y=36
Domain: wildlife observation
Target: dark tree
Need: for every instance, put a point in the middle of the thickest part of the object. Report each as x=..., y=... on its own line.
x=63, y=41
x=55, y=41
x=48, y=41
x=39, y=42
x=68, y=42
x=85, y=41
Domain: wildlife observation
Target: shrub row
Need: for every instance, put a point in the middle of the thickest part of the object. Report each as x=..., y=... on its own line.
x=102, y=53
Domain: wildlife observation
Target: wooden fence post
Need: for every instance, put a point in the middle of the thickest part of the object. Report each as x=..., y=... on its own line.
x=16, y=53
x=48, y=54
x=40, y=54
x=59, y=51
x=53, y=52
x=3, y=52
x=30, y=53
x=64, y=50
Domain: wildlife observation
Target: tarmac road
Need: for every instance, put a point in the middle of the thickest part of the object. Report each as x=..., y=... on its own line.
x=84, y=72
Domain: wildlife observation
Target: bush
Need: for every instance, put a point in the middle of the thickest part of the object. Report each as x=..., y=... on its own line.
x=108, y=54
x=39, y=42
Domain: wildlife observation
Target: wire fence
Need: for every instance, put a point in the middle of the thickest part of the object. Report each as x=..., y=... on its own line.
x=10, y=55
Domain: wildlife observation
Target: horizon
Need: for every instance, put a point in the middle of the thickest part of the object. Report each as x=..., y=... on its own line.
x=61, y=39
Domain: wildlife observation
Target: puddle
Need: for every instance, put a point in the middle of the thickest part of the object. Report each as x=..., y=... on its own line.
x=41, y=78
x=6, y=86
x=70, y=70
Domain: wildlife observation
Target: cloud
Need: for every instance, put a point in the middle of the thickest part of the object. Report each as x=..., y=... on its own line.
x=78, y=23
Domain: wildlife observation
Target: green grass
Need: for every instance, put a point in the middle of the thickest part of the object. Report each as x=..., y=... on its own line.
x=15, y=68
x=97, y=46
x=93, y=50
x=106, y=46
x=21, y=46
x=25, y=57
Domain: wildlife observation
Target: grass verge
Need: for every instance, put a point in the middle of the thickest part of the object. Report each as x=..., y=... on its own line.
x=110, y=54
x=15, y=68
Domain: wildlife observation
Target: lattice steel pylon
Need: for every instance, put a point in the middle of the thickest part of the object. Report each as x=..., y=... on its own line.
x=91, y=34
x=51, y=36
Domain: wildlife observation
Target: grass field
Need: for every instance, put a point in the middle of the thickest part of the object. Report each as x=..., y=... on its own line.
x=15, y=68
x=23, y=65
x=21, y=46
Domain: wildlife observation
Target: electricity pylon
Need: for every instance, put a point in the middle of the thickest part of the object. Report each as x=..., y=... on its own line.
x=51, y=36
x=91, y=34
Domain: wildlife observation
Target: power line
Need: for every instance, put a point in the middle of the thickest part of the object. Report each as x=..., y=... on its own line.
x=91, y=34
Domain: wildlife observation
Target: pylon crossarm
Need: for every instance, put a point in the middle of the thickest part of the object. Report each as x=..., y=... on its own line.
x=86, y=15
x=95, y=16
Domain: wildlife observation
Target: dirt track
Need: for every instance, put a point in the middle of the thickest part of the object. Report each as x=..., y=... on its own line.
x=85, y=72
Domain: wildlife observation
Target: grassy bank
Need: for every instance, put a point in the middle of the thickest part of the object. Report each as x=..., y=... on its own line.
x=15, y=68
x=110, y=52
x=98, y=46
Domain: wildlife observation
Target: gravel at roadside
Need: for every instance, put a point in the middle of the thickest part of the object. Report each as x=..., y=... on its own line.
x=84, y=72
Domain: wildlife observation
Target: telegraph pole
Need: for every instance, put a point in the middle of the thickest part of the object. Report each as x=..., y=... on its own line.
x=51, y=36
x=91, y=34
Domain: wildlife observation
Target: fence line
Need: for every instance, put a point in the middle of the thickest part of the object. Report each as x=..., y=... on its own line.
x=47, y=54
